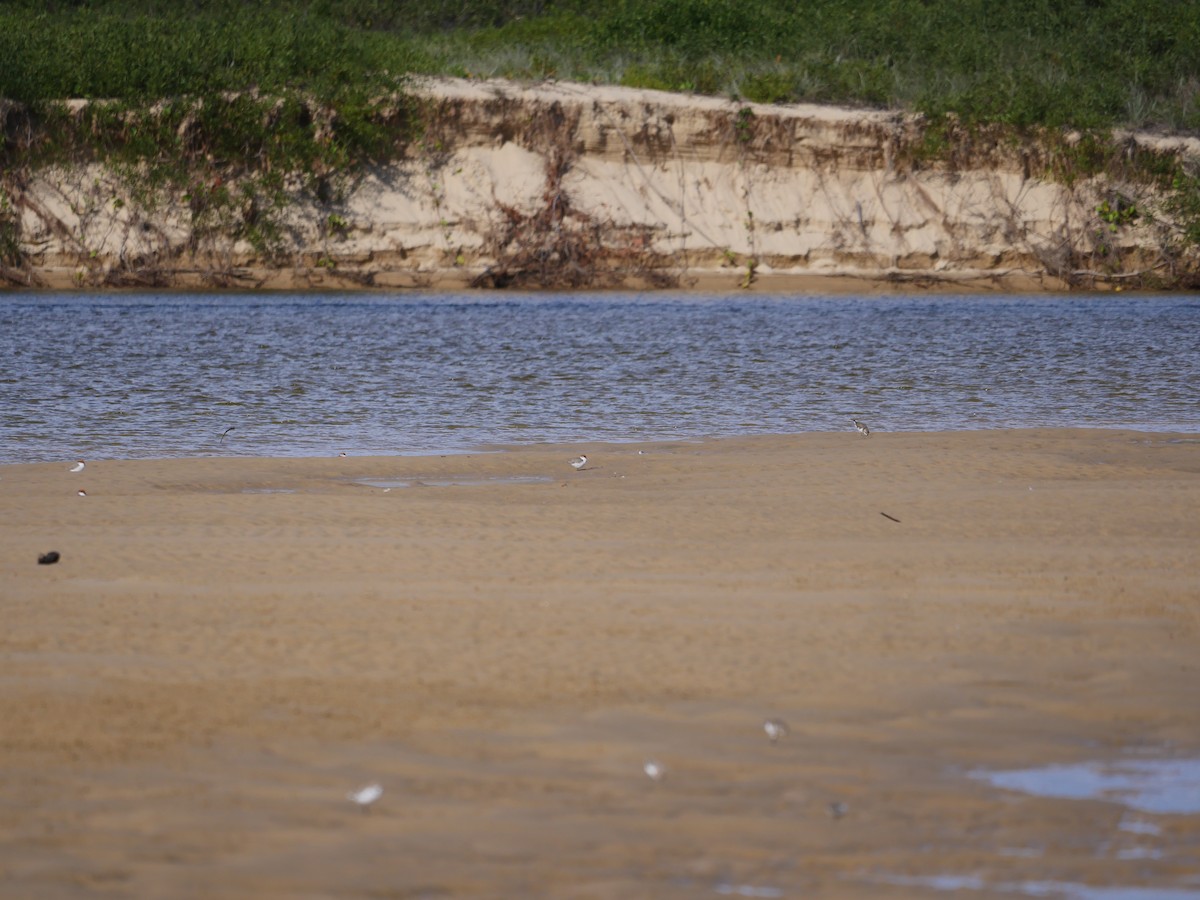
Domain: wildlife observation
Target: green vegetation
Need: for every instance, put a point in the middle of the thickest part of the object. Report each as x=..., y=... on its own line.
x=10, y=249
x=1077, y=63
x=222, y=108
x=1117, y=212
x=196, y=97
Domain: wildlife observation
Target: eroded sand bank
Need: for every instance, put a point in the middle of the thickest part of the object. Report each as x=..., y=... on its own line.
x=228, y=646
x=568, y=186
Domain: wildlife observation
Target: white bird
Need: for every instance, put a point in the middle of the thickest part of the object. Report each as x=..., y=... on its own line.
x=775, y=729
x=861, y=428
x=81, y=493
x=579, y=462
x=365, y=796
x=654, y=770
x=78, y=467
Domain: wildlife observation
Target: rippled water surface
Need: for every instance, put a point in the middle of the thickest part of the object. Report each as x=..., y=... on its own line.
x=304, y=375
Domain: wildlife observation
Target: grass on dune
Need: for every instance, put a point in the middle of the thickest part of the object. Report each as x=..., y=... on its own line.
x=1076, y=63
x=199, y=92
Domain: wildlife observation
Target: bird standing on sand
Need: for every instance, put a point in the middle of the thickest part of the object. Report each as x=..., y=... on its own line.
x=579, y=462
x=654, y=770
x=775, y=729
x=365, y=796
x=78, y=467
x=861, y=428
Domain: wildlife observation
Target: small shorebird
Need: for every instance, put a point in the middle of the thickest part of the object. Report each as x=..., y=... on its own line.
x=654, y=770
x=342, y=455
x=579, y=462
x=365, y=796
x=861, y=428
x=78, y=467
x=775, y=729
x=81, y=492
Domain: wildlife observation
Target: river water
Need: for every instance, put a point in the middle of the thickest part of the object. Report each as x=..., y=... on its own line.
x=165, y=375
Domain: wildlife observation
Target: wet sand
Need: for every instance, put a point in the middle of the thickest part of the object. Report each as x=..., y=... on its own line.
x=385, y=276
x=228, y=646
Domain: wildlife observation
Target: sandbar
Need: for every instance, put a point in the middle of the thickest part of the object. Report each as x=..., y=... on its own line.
x=227, y=647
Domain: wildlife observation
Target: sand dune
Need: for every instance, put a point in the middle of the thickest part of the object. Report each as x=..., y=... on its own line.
x=566, y=186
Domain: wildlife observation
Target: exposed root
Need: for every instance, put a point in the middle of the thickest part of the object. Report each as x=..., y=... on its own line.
x=558, y=246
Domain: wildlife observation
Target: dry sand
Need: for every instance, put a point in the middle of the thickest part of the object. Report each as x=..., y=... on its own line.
x=228, y=646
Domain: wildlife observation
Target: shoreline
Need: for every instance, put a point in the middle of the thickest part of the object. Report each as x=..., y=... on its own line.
x=485, y=448
x=228, y=646
x=382, y=281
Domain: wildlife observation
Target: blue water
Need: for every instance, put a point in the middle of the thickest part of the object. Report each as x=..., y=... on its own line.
x=1055, y=889
x=310, y=375
x=1161, y=786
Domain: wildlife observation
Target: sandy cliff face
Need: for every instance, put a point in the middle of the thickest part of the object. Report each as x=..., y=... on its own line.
x=584, y=187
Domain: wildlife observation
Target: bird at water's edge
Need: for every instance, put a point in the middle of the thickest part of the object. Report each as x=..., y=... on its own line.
x=579, y=462
x=861, y=427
